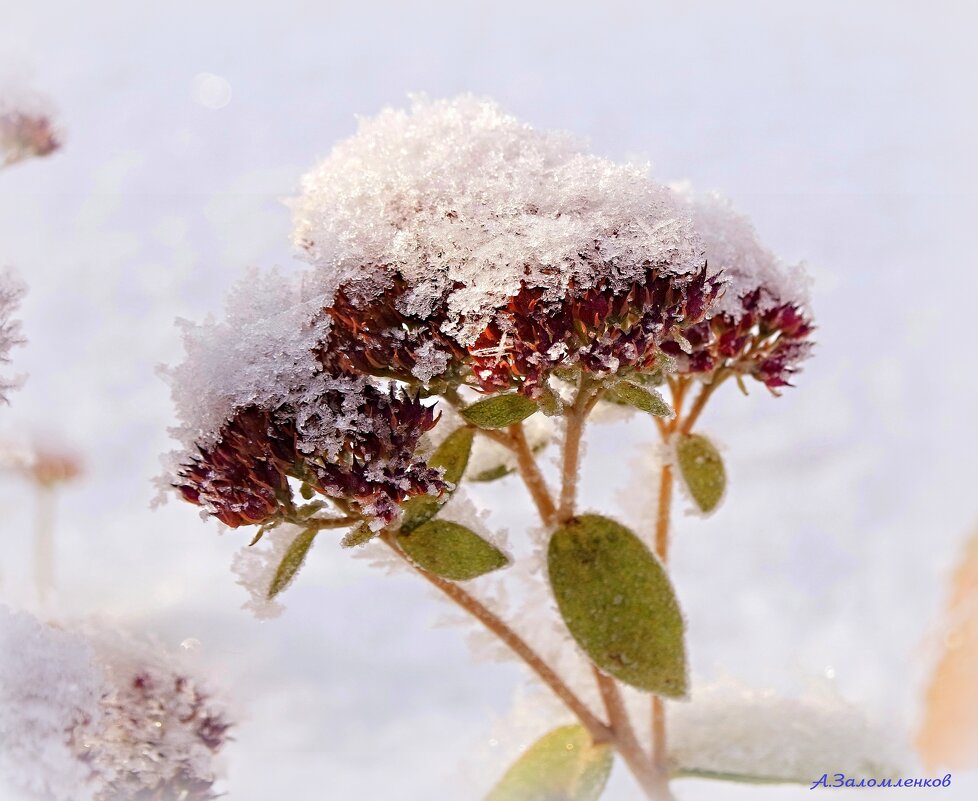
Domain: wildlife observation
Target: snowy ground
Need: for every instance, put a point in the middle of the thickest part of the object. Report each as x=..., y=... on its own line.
x=845, y=130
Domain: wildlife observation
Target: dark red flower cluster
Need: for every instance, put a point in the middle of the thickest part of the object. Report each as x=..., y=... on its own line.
x=767, y=344
x=243, y=479
x=601, y=330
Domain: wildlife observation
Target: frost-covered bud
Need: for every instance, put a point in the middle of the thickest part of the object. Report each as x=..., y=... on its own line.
x=88, y=714
x=25, y=133
x=761, y=325
x=457, y=244
x=11, y=292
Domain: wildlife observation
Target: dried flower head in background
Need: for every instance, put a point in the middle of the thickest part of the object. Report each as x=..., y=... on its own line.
x=87, y=714
x=761, y=325
x=26, y=128
x=456, y=242
x=11, y=292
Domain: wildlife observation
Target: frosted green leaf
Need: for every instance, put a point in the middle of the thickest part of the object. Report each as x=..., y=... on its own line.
x=500, y=411
x=451, y=550
x=358, y=536
x=618, y=603
x=291, y=562
x=451, y=456
x=648, y=400
x=701, y=468
x=563, y=765
x=738, y=778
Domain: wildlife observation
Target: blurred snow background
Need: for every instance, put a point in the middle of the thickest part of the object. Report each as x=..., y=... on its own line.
x=847, y=132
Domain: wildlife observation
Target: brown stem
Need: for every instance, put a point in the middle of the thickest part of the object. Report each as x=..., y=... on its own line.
x=663, y=513
x=600, y=733
x=576, y=416
x=531, y=475
x=653, y=781
x=700, y=403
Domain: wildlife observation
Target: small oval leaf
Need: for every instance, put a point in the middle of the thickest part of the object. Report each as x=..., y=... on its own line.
x=618, y=603
x=451, y=550
x=648, y=400
x=291, y=562
x=563, y=765
x=701, y=468
x=452, y=456
x=500, y=411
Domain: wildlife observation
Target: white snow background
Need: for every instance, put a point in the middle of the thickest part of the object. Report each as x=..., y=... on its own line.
x=847, y=132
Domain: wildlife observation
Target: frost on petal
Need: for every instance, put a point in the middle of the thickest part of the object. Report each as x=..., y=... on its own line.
x=11, y=292
x=728, y=731
x=89, y=714
x=454, y=228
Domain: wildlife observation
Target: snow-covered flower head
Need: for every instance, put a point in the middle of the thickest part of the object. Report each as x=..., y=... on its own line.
x=264, y=399
x=88, y=714
x=11, y=292
x=761, y=325
x=456, y=242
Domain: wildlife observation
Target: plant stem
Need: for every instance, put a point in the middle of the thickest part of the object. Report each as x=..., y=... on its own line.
x=575, y=416
x=599, y=732
x=44, y=543
x=652, y=780
x=531, y=475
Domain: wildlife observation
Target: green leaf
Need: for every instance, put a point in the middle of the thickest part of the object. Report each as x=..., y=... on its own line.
x=493, y=473
x=739, y=778
x=701, y=467
x=500, y=411
x=648, y=400
x=563, y=765
x=451, y=550
x=618, y=603
x=291, y=562
x=452, y=456
x=358, y=536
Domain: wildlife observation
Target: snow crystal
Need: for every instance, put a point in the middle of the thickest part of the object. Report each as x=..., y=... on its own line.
x=467, y=204
x=255, y=567
x=11, y=291
x=260, y=354
x=731, y=730
x=732, y=247
x=49, y=684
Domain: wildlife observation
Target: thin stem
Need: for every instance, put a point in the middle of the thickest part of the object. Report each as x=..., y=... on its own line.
x=600, y=733
x=576, y=416
x=700, y=403
x=663, y=513
x=654, y=782
x=44, y=543
x=531, y=475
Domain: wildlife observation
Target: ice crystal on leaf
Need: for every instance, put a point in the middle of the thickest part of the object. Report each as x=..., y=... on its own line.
x=459, y=242
x=88, y=714
x=761, y=325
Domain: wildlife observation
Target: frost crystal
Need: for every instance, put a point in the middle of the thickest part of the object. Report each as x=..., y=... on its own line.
x=760, y=325
x=454, y=229
x=90, y=715
x=11, y=292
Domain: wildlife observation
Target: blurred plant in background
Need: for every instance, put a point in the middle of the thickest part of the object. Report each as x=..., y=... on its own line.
x=480, y=287
x=90, y=714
